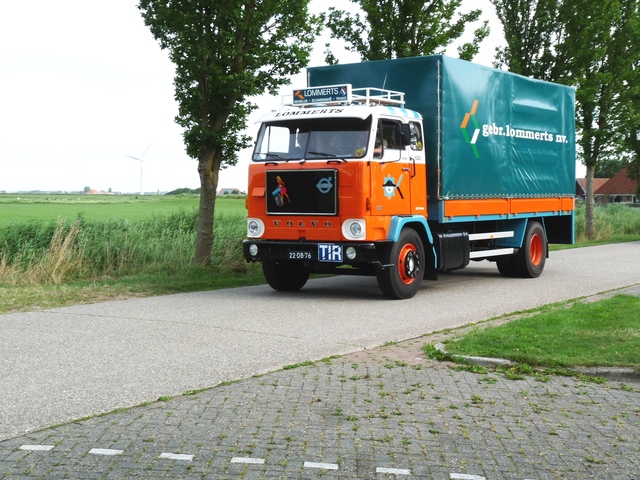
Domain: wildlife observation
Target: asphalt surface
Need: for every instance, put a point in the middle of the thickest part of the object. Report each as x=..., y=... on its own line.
x=370, y=414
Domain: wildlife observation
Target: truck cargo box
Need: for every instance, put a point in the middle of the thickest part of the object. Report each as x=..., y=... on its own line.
x=488, y=133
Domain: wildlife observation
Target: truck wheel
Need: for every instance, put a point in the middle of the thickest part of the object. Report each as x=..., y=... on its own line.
x=529, y=261
x=285, y=276
x=403, y=279
x=506, y=266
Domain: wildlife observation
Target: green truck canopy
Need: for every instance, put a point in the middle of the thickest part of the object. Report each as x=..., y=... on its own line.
x=488, y=133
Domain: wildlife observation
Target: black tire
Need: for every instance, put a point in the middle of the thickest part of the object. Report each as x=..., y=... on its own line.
x=529, y=261
x=404, y=278
x=285, y=276
x=506, y=266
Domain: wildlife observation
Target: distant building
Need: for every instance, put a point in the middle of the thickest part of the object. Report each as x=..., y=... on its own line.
x=229, y=191
x=581, y=186
x=619, y=189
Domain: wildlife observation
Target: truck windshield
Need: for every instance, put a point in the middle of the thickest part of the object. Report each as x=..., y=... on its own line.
x=316, y=138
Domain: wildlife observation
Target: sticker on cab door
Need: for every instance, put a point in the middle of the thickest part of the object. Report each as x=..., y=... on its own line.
x=390, y=186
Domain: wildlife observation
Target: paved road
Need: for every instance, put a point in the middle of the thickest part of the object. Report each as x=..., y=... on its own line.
x=67, y=363
x=361, y=416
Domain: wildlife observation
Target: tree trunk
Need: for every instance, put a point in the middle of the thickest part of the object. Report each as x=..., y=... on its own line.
x=209, y=169
x=590, y=203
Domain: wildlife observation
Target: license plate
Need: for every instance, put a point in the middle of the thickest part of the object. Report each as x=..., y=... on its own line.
x=328, y=252
x=299, y=255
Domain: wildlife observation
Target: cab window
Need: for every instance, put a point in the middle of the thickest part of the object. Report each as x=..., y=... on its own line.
x=387, y=137
x=312, y=139
x=416, y=136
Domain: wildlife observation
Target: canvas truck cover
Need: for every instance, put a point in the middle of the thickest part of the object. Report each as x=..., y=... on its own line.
x=488, y=133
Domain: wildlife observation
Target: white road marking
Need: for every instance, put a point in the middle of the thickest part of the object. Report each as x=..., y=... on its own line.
x=177, y=456
x=257, y=461
x=105, y=451
x=393, y=471
x=325, y=466
x=37, y=448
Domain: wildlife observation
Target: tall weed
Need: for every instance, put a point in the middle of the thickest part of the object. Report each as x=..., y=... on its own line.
x=62, y=259
x=50, y=253
x=54, y=252
x=230, y=229
x=42, y=263
x=610, y=221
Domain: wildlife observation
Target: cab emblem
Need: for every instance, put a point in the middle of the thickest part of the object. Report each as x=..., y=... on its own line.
x=390, y=186
x=324, y=186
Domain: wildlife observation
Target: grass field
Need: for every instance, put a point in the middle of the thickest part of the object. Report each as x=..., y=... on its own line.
x=63, y=249
x=113, y=245
x=21, y=208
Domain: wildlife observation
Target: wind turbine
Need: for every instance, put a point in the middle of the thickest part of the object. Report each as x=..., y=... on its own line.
x=139, y=159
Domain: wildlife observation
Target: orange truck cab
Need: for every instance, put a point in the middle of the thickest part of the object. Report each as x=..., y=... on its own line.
x=442, y=164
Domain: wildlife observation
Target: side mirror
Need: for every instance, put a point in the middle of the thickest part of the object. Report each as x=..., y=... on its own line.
x=405, y=135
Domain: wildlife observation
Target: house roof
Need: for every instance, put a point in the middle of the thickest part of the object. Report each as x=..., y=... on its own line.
x=597, y=183
x=619, y=184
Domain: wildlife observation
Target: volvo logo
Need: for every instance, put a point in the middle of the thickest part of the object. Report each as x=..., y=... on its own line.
x=324, y=185
x=301, y=224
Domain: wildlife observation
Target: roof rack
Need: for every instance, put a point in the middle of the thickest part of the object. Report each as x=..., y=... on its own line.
x=378, y=96
x=335, y=95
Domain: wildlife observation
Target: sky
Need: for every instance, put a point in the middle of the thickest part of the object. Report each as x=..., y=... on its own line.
x=84, y=87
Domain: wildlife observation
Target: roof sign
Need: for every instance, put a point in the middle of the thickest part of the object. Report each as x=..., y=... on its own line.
x=326, y=94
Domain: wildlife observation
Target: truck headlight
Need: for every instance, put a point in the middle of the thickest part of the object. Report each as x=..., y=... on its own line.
x=255, y=227
x=354, y=229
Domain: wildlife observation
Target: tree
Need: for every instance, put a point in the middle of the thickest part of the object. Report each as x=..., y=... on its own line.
x=633, y=141
x=403, y=28
x=633, y=167
x=225, y=53
x=608, y=167
x=602, y=70
x=631, y=116
x=593, y=49
x=531, y=31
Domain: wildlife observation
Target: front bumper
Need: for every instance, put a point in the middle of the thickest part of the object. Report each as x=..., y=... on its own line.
x=312, y=252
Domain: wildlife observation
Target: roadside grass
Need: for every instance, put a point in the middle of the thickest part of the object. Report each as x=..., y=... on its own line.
x=191, y=279
x=57, y=262
x=60, y=250
x=54, y=252
x=612, y=223
x=604, y=333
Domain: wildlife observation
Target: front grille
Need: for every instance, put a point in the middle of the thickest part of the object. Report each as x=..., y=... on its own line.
x=293, y=192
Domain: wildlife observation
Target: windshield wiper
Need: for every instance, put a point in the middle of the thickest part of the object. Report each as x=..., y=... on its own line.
x=331, y=155
x=268, y=156
x=324, y=154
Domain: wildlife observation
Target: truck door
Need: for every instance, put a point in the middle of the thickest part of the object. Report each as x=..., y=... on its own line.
x=418, y=164
x=391, y=171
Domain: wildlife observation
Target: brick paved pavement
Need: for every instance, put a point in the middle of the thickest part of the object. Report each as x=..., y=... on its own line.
x=373, y=415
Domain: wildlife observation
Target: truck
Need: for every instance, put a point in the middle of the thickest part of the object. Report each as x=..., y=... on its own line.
x=403, y=169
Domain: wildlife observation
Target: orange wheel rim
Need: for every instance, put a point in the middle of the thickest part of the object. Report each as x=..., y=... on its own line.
x=408, y=264
x=536, y=249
